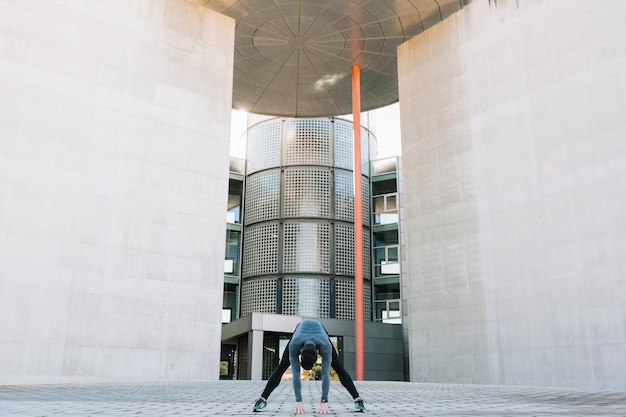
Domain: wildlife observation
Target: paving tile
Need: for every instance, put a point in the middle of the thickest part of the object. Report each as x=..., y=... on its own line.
x=235, y=398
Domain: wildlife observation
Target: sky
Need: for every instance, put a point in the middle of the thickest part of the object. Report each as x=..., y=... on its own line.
x=387, y=130
x=386, y=127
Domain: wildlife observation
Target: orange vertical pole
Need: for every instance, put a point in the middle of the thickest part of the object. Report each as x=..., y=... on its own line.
x=358, y=225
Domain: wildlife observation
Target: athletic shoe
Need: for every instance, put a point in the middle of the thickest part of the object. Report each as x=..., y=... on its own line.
x=359, y=407
x=259, y=405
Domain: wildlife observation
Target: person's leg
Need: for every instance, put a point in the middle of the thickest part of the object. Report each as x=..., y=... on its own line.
x=344, y=376
x=277, y=374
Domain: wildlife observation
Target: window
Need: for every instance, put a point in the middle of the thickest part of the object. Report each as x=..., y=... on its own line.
x=386, y=260
x=229, y=302
x=235, y=190
x=388, y=311
x=386, y=209
x=231, y=258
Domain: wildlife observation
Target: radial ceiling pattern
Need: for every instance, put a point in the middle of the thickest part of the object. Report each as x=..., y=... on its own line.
x=293, y=58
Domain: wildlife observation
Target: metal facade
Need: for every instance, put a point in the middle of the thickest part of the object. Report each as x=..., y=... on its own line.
x=298, y=246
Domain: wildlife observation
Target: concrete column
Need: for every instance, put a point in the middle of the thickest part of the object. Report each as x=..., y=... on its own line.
x=114, y=153
x=514, y=169
x=255, y=349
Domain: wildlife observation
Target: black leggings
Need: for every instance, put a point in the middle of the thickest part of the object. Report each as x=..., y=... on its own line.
x=274, y=379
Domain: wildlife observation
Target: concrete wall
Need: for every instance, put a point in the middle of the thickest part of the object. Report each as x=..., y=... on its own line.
x=514, y=166
x=114, y=152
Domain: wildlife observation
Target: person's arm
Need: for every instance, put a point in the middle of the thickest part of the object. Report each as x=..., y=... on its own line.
x=325, y=351
x=294, y=353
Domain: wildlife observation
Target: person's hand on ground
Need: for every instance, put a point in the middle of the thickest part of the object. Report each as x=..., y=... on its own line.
x=300, y=408
x=323, y=409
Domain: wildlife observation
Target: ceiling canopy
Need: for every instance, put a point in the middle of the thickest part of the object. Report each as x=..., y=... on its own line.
x=293, y=58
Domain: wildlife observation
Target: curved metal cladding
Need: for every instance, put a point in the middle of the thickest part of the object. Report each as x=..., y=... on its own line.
x=298, y=247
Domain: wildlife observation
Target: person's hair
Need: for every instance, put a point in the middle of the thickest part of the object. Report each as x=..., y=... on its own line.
x=308, y=356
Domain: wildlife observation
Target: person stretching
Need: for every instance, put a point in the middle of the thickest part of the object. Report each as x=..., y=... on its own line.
x=275, y=377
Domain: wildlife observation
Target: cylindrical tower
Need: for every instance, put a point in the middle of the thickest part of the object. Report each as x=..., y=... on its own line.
x=298, y=220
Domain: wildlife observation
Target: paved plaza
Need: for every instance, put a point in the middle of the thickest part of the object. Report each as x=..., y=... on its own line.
x=235, y=398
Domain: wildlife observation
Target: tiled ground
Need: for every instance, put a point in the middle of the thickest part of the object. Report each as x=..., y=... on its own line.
x=235, y=398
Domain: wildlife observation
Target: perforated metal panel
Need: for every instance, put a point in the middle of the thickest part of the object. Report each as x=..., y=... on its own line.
x=306, y=296
x=365, y=152
x=307, y=142
x=260, y=250
x=299, y=198
x=344, y=195
x=263, y=147
x=258, y=295
x=307, y=193
x=367, y=300
x=306, y=247
x=367, y=255
x=345, y=300
x=344, y=249
x=262, y=196
x=365, y=200
x=343, y=144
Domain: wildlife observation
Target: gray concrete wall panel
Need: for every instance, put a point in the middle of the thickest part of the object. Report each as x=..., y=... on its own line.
x=514, y=166
x=114, y=150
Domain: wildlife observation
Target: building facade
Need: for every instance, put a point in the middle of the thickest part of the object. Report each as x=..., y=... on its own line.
x=297, y=242
x=114, y=174
x=386, y=247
